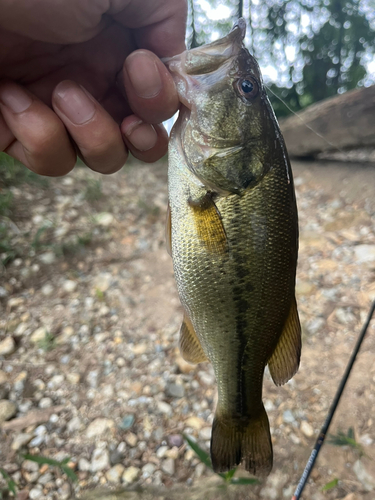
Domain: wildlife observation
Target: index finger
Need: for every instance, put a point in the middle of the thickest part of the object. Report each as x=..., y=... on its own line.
x=157, y=26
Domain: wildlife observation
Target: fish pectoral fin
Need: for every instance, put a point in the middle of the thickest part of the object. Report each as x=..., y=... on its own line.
x=284, y=362
x=209, y=225
x=241, y=439
x=190, y=347
x=168, y=231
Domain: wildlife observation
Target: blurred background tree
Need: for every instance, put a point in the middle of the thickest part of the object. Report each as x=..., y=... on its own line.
x=308, y=49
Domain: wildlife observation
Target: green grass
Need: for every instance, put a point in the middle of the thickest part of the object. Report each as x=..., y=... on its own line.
x=10, y=485
x=227, y=476
x=348, y=439
x=93, y=190
x=54, y=463
x=13, y=173
x=332, y=484
x=48, y=343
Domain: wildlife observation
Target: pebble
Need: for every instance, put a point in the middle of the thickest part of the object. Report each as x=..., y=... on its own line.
x=307, y=429
x=98, y=427
x=364, y=253
x=205, y=433
x=47, y=258
x=73, y=378
x=38, y=335
x=45, y=478
x=131, y=439
x=367, y=480
x=175, y=440
x=3, y=377
x=35, y=493
x=47, y=289
x=288, y=417
x=164, y=407
x=148, y=470
x=168, y=466
x=45, y=403
x=55, y=382
x=99, y=460
x=3, y=292
x=161, y=451
x=206, y=378
x=131, y=474
x=7, y=346
x=21, y=440
x=84, y=464
x=7, y=410
x=175, y=390
x=194, y=422
x=114, y=474
x=104, y=219
x=74, y=425
x=127, y=422
x=69, y=286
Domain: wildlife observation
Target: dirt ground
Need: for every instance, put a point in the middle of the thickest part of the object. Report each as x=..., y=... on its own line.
x=90, y=304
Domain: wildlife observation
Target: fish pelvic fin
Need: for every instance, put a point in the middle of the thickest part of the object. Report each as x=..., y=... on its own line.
x=190, y=347
x=284, y=362
x=235, y=440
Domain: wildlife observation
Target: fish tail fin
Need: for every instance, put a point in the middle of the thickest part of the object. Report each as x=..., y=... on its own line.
x=242, y=439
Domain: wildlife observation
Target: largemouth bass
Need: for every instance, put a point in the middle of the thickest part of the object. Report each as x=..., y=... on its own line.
x=234, y=239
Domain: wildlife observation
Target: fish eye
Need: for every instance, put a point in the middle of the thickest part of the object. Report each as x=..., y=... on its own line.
x=248, y=87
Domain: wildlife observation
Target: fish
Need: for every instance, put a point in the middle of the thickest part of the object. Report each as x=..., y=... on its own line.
x=232, y=231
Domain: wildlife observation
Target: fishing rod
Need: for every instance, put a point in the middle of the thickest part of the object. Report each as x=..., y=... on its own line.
x=331, y=412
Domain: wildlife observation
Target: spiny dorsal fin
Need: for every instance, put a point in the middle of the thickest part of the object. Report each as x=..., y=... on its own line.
x=168, y=231
x=284, y=362
x=190, y=347
x=209, y=225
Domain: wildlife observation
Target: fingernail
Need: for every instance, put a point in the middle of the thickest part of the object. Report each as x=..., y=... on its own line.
x=144, y=74
x=142, y=135
x=75, y=102
x=15, y=99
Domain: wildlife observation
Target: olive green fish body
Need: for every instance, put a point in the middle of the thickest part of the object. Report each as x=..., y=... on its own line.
x=234, y=247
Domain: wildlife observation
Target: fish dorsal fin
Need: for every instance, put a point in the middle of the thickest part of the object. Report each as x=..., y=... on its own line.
x=209, y=225
x=284, y=362
x=168, y=231
x=190, y=347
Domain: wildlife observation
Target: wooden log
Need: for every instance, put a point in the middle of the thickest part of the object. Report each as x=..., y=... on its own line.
x=344, y=121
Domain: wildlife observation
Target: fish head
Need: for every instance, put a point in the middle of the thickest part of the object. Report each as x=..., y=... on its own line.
x=226, y=128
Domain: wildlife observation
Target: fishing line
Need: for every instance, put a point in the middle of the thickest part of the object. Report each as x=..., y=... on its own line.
x=305, y=124
x=331, y=412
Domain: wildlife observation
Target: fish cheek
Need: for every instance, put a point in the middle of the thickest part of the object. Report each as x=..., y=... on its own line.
x=209, y=225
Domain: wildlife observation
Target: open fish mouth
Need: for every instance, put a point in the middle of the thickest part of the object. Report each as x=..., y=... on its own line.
x=214, y=57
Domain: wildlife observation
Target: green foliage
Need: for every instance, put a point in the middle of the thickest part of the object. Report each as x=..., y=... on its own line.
x=48, y=343
x=13, y=173
x=93, y=191
x=348, y=439
x=332, y=484
x=6, y=199
x=55, y=463
x=227, y=476
x=11, y=485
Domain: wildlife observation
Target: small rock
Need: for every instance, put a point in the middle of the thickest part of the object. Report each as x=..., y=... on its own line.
x=40, y=434
x=175, y=390
x=175, y=440
x=38, y=335
x=74, y=425
x=351, y=496
x=148, y=470
x=131, y=439
x=3, y=377
x=205, y=433
x=288, y=417
x=307, y=429
x=99, y=460
x=64, y=491
x=55, y=382
x=172, y=453
x=47, y=258
x=162, y=451
x=102, y=282
x=364, y=253
x=69, y=286
x=131, y=474
x=73, y=378
x=164, y=407
x=206, y=378
x=104, y=219
x=199, y=470
x=127, y=422
x=30, y=466
x=98, y=427
x=363, y=476
x=168, y=466
x=21, y=440
x=47, y=289
x=21, y=329
x=7, y=346
x=3, y=292
x=45, y=478
x=45, y=403
x=35, y=493
x=65, y=335
x=7, y=410
x=114, y=474
x=194, y=422
x=84, y=464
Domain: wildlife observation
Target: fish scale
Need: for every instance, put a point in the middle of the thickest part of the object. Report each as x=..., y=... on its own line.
x=234, y=240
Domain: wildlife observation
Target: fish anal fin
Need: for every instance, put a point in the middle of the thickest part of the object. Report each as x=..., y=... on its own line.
x=248, y=440
x=209, y=225
x=284, y=362
x=190, y=347
x=168, y=231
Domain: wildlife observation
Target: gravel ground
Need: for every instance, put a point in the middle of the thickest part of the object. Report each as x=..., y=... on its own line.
x=89, y=368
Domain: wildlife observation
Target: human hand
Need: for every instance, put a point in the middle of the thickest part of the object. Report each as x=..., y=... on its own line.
x=65, y=88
